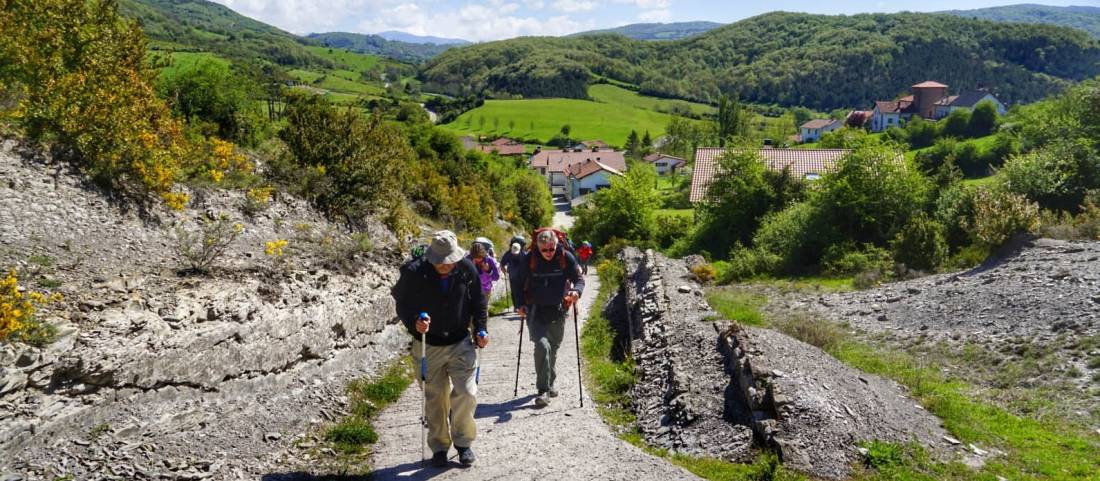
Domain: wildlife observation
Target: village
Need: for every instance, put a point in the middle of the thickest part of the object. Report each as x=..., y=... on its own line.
x=577, y=170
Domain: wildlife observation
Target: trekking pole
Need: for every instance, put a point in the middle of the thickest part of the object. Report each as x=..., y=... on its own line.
x=424, y=393
x=577, y=341
x=519, y=354
x=477, y=362
x=508, y=287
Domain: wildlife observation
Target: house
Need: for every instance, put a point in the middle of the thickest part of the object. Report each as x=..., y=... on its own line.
x=595, y=144
x=929, y=100
x=665, y=164
x=589, y=176
x=813, y=130
x=805, y=164
x=967, y=100
x=858, y=119
x=503, y=146
x=556, y=165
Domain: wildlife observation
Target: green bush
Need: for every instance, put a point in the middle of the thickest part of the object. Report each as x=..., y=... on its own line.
x=845, y=259
x=795, y=236
x=921, y=244
x=748, y=263
x=999, y=215
x=1057, y=176
x=210, y=91
x=670, y=228
x=954, y=210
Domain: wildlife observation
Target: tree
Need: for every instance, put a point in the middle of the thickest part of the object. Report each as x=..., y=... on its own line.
x=566, y=129
x=737, y=198
x=632, y=143
x=511, y=125
x=733, y=120
x=957, y=124
x=647, y=142
x=209, y=91
x=481, y=123
x=623, y=211
x=921, y=133
x=531, y=126
x=496, y=124
x=984, y=119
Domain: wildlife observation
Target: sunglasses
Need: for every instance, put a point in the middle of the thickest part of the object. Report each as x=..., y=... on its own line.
x=547, y=249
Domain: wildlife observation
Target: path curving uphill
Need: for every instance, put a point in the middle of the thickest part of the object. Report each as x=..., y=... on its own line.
x=516, y=441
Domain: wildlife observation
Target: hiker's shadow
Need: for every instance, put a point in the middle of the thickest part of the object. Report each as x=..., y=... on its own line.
x=503, y=411
x=414, y=471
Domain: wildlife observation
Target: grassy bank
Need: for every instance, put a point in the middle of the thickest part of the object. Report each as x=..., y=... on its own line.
x=1033, y=449
x=352, y=437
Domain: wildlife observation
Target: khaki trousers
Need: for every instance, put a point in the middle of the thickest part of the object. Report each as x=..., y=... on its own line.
x=451, y=393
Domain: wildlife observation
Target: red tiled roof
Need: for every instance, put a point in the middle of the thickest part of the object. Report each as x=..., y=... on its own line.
x=946, y=100
x=503, y=141
x=818, y=124
x=799, y=161
x=559, y=161
x=589, y=167
x=895, y=106
x=929, y=84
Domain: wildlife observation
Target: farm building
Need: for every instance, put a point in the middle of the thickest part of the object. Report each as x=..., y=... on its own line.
x=813, y=130
x=589, y=176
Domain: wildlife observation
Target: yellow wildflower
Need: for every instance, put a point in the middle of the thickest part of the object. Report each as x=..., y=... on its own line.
x=275, y=248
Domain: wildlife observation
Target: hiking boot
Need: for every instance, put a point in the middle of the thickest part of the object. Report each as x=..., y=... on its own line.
x=552, y=393
x=542, y=400
x=439, y=459
x=466, y=456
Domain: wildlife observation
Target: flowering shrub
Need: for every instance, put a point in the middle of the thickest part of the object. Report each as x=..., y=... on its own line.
x=17, y=319
x=999, y=215
x=275, y=248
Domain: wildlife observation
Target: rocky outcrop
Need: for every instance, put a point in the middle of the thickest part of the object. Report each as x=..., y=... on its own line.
x=160, y=374
x=706, y=386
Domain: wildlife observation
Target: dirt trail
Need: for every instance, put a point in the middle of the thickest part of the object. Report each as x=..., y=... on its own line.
x=515, y=440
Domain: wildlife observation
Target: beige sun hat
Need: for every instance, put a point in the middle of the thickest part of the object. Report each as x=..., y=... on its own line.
x=444, y=248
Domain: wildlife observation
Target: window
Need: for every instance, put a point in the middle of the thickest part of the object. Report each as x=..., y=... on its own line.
x=812, y=176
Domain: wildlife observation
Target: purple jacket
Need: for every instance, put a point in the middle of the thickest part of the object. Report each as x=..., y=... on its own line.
x=487, y=278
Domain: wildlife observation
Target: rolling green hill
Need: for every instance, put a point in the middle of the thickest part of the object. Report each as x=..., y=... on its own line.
x=199, y=25
x=658, y=31
x=376, y=45
x=818, y=61
x=1084, y=18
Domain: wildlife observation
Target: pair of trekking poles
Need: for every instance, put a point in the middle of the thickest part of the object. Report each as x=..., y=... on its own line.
x=577, y=343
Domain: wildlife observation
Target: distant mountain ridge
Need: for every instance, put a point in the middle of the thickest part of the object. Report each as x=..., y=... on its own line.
x=394, y=35
x=657, y=31
x=817, y=61
x=1083, y=18
x=377, y=45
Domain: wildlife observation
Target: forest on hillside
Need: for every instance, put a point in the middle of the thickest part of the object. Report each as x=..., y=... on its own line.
x=817, y=61
x=1084, y=18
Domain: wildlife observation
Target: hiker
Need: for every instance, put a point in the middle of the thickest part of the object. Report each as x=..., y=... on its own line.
x=552, y=283
x=487, y=270
x=512, y=264
x=439, y=295
x=583, y=255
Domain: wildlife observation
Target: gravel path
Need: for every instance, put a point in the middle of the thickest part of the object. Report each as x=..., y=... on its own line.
x=563, y=217
x=515, y=440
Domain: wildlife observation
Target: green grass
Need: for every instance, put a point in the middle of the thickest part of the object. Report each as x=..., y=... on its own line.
x=500, y=306
x=615, y=95
x=676, y=212
x=353, y=60
x=588, y=120
x=180, y=60
x=1036, y=449
x=304, y=76
x=368, y=398
x=737, y=306
x=980, y=182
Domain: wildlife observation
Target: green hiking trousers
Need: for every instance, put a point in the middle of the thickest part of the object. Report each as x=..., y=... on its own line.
x=547, y=327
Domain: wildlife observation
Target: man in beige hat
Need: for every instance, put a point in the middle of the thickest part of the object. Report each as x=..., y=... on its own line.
x=439, y=295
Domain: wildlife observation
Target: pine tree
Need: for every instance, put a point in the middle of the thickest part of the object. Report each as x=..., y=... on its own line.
x=632, y=143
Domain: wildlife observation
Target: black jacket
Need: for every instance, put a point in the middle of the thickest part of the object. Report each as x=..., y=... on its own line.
x=549, y=280
x=514, y=262
x=419, y=290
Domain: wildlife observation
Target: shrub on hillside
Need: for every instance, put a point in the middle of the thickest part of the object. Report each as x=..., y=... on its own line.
x=85, y=81
x=347, y=165
x=198, y=249
x=794, y=236
x=624, y=211
x=748, y=263
x=704, y=273
x=999, y=215
x=18, y=307
x=954, y=210
x=209, y=91
x=1057, y=176
x=671, y=228
x=846, y=259
x=921, y=244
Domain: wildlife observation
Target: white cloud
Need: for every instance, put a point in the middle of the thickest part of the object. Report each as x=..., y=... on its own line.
x=571, y=6
x=646, y=4
x=663, y=15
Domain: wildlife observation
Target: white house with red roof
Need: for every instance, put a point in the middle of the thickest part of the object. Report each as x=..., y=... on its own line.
x=929, y=100
x=665, y=164
x=557, y=165
x=803, y=164
x=589, y=176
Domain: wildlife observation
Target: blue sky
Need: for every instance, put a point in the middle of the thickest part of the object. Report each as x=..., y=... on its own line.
x=496, y=19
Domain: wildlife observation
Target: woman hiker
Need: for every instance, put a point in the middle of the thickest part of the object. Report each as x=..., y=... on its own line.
x=583, y=255
x=487, y=270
